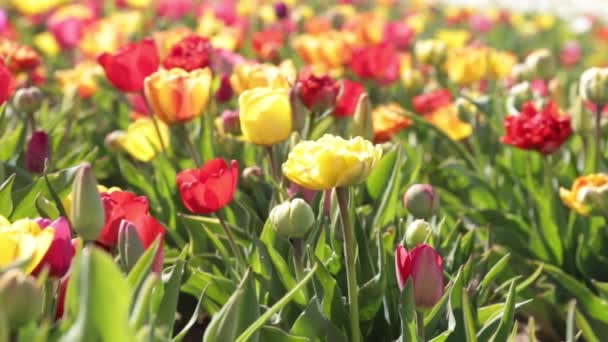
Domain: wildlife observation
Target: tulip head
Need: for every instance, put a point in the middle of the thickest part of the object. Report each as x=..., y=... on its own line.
x=21, y=298
x=266, y=117
x=318, y=93
x=431, y=51
x=425, y=268
x=542, y=63
x=588, y=196
x=413, y=81
x=417, y=232
x=28, y=100
x=38, y=151
x=231, y=122
x=292, y=219
x=362, y=120
x=593, y=86
x=421, y=200
x=87, y=211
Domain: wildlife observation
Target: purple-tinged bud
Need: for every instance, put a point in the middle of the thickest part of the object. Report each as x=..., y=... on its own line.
x=38, y=151
x=280, y=10
x=28, y=100
x=225, y=92
x=425, y=266
x=421, y=200
x=231, y=122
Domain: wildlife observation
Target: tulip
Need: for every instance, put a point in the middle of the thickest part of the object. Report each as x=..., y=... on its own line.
x=363, y=124
x=249, y=76
x=331, y=162
x=38, y=152
x=35, y=7
x=7, y=83
x=399, y=34
x=349, y=98
x=119, y=206
x=593, y=85
x=127, y=68
x=432, y=101
x=28, y=100
x=447, y=120
x=225, y=92
x=431, y=52
x=417, y=232
x=588, y=196
x=542, y=63
x=379, y=63
x=23, y=240
x=149, y=229
x=58, y=257
x=82, y=77
x=191, y=53
x=413, y=81
x=210, y=188
x=67, y=32
x=140, y=140
x=292, y=219
x=87, y=213
x=21, y=298
x=425, y=267
x=318, y=93
x=388, y=120
x=178, y=96
x=231, y=122
x=265, y=114
x=267, y=43
x=421, y=200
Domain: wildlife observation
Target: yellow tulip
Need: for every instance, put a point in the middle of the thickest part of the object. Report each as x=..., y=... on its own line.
x=139, y=3
x=140, y=140
x=588, y=194
x=265, y=115
x=453, y=38
x=250, y=76
x=430, y=51
x=47, y=44
x=466, y=66
x=446, y=119
x=327, y=53
x=500, y=64
x=331, y=162
x=178, y=96
x=23, y=240
x=82, y=78
x=34, y=7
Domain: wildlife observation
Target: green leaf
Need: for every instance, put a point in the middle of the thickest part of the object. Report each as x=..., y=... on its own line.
x=506, y=322
x=46, y=208
x=168, y=305
x=491, y=312
x=6, y=200
x=407, y=311
x=140, y=271
x=389, y=201
x=498, y=267
x=142, y=308
x=372, y=293
x=379, y=177
x=285, y=274
x=272, y=334
x=313, y=325
x=469, y=320
x=570, y=325
x=586, y=329
x=531, y=329
x=193, y=318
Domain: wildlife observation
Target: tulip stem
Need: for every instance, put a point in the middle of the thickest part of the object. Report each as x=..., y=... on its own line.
x=155, y=124
x=349, y=255
x=240, y=258
x=598, y=135
x=195, y=156
x=420, y=325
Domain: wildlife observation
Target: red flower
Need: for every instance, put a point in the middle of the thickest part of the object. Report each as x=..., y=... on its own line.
x=424, y=265
x=267, y=43
x=127, y=68
x=7, y=83
x=68, y=32
x=399, y=34
x=317, y=92
x=210, y=188
x=347, y=103
x=225, y=92
x=149, y=229
x=543, y=131
x=120, y=205
x=379, y=63
x=38, y=151
x=58, y=257
x=570, y=54
x=192, y=52
x=430, y=102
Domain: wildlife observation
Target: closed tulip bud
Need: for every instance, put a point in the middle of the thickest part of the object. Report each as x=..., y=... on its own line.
x=542, y=63
x=593, y=85
x=27, y=100
x=224, y=92
x=87, y=211
x=520, y=94
x=21, y=298
x=421, y=200
x=425, y=266
x=362, y=120
x=280, y=10
x=230, y=122
x=431, y=51
x=292, y=219
x=522, y=72
x=412, y=81
x=417, y=232
x=130, y=246
x=38, y=151
x=582, y=117
x=299, y=111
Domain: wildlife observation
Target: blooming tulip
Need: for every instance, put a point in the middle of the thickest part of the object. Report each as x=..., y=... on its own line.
x=249, y=76
x=178, y=96
x=38, y=151
x=23, y=240
x=127, y=68
x=191, y=53
x=347, y=102
x=149, y=229
x=317, y=92
x=140, y=139
x=210, y=188
x=265, y=115
x=431, y=101
x=119, y=206
x=379, y=63
x=7, y=83
x=425, y=267
x=58, y=257
x=588, y=196
x=388, y=120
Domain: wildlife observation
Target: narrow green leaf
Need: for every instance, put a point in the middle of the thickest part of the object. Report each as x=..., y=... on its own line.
x=195, y=315
x=141, y=269
x=168, y=305
x=586, y=329
x=6, y=200
x=407, y=311
x=570, y=325
x=470, y=326
x=495, y=270
x=506, y=322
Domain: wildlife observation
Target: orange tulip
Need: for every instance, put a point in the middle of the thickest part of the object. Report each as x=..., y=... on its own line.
x=388, y=120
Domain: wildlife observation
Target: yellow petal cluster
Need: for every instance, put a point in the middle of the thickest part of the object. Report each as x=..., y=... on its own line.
x=265, y=115
x=140, y=140
x=23, y=240
x=586, y=193
x=249, y=76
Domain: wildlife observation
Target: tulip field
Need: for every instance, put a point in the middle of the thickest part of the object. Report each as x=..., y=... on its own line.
x=302, y=171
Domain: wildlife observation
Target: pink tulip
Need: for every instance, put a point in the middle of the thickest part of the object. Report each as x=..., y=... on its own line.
x=424, y=265
x=67, y=32
x=59, y=256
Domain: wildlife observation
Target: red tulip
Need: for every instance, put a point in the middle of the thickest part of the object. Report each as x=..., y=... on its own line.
x=317, y=92
x=210, y=188
x=266, y=44
x=7, y=83
x=38, y=151
x=347, y=103
x=424, y=265
x=192, y=52
x=399, y=34
x=543, y=131
x=149, y=229
x=67, y=32
x=430, y=102
x=63, y=287
x=379, y=63
x=225, y=92
x=127, y=68
x=58, y=257
x=120, y=205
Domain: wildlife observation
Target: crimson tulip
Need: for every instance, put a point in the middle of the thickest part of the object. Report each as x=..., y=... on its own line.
x=149, y=229
x=430, y=102
x=379, y=63
x=127, y=68
x=425, y=266
x=7, y=83
x=192, y=52
x=120, y=205
x=317, y=92
x=38, y=151
x=209, y=188
x=58, y=257
x=347, y=103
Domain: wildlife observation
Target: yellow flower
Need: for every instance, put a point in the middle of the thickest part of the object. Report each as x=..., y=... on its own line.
x=82, y=77
x=250, y=76
x=101, y=37
x=500, y=64
x=388, y=120
x=545, y=21
x=139, y=3
x=466, y=66
x=23, y=240
x=331, y=162
x=47, y=44
x=178, y=96
x=265, y=115
x=417, y=21
x=446, y=119
x=220, y=34
x=588, y=194
x=327, y=53
x=67, y=200
x=140, y=140
x=430, y=51
x=33, y=7
x=453, y=38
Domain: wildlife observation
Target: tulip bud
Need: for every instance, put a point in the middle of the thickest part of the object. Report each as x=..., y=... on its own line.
x=412, y=81
x=542, y=63
x=112, y=140
x=593, y=85
x=424, y=265
x=38, y=151
x=224, y=92
x=130, y=246
x=28, y=100
x=582, y=118
x=431, y=51
x=421, y=200
x=520, y=94
x=362, y=120
x=252, y=172
x=521, y=72
x=280, y=10
x=230, y=122
x=298, y=109
x=20, y=298
x=292, y=219
x=417, y=232
x=87, y=214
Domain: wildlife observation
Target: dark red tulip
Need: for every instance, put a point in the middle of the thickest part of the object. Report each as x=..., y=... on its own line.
x=318, y=93
x=38, y=151
x=120, y=205
x=58, y=257
x=210, y=188
x=425, y=266
x=225, y=92
x=192, y=52
x=127, y=68
x=347, y=103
